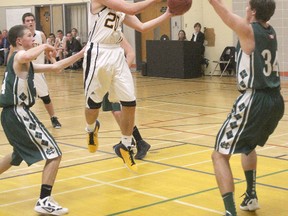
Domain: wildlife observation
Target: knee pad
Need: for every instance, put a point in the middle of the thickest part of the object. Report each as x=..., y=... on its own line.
x=92, y=104
x=128, y=103
x=46, y=99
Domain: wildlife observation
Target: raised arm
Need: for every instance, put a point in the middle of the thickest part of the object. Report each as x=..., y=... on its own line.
x=123, y=6
x=135, y=23
x=240, y=25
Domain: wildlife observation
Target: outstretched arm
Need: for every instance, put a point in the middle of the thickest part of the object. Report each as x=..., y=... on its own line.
x=124, y=6
x=27, y=56
x=238, y=24
x=59, y=65
x=134, y=22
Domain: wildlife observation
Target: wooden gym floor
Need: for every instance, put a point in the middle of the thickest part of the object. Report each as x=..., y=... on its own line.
x=180, y=119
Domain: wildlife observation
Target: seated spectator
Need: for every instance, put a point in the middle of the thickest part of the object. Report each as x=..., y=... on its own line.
x=74, y=33
x=1, y=50
x=60, y=44
x=72, y=47
x=51, y=40
x=182, y=35
x=6, y=45
x=164, y=37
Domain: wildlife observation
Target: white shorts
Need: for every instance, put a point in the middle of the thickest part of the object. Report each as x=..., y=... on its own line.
x=40, y=85
x=105, y=70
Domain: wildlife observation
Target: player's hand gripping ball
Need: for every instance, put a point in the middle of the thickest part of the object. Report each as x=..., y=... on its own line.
x=179, y=7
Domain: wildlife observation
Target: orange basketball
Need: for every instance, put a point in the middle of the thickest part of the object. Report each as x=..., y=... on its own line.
x=179, y=7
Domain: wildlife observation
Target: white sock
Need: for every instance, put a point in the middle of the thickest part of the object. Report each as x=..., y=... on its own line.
x=90, y=127
x=126, y=140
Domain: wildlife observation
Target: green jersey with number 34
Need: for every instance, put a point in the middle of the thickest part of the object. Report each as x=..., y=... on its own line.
x=260, y=70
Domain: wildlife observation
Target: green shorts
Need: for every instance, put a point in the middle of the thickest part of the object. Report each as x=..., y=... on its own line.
x=254, y=117
x=108, y=106
x=30, y=139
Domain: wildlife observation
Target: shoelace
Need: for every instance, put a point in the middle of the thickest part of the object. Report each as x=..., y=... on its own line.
x=131, y=153
x=91, y=138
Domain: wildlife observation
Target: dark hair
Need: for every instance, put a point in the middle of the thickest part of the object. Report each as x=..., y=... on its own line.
x=183, y=33
x=52, y=34
x=60, y=31
x=74, y=29
x=264, y=9
x=27, y=15
x=16, y=32
x=197, y=24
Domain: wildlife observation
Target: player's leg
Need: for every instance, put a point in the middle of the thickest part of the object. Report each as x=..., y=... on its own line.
x=224, y=180
x=227, y=143
x=92, y=125
x=50, y=109
x=5, y=163
x=249, y=164
x=125, y=149
x=96, y=84
x=141, y=145
x=46, y=203
x=266, y=110
x=32, y=143
x=122, y=89
x=43, y=93
x=115, y=108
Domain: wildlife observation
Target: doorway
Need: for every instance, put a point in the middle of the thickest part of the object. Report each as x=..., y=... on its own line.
x=43, y=19
x=149, y=13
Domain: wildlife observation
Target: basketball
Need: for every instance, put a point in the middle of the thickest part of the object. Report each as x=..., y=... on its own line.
x=179, y=7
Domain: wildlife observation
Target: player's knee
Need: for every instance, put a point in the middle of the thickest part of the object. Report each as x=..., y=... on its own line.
x=128, y=103
x=46, y=99
x=93, y=105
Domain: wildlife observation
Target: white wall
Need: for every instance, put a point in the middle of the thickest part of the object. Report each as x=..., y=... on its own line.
x=203, y=12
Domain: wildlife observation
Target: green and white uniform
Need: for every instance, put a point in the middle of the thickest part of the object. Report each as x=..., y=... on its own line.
x=30, y=139
x=257, y=111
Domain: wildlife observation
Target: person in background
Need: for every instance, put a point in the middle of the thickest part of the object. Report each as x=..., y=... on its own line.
x=51, y=41
x=30, y=140
x=1, y=50
x=60, y=44
x=28, y=19
x=260, y=106
x=72, y=47
x=6, y=45
x=74, y=32
x=182, y=35
x=199, y=37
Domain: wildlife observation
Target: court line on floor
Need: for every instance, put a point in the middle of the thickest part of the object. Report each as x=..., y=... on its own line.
x=123, y=179
x=164, y=199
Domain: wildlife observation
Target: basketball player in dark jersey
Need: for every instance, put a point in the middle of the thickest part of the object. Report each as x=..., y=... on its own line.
x=29, y=138
x=260, y=106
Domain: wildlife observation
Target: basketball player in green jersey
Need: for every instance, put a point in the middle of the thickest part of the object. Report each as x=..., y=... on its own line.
x=141, y=146
x=259, y=108
x=30, y=139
